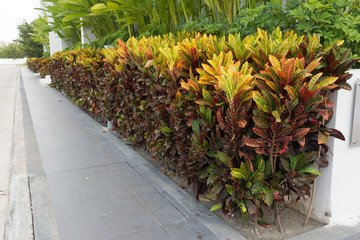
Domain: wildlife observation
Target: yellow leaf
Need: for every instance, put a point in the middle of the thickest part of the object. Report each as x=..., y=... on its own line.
x=204, y=199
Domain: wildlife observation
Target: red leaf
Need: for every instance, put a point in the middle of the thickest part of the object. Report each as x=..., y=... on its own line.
x=300, y=133
x=324, y=113
x=263, y=224
x=336, y=133
x=277, y=196
x=329, y=104
x=260, y=122
x=301, y=141
x=290, y=70
x=260, y=132
x=284, y=147
x=242, y=123
x=249, y=164
x=307, y=189
x=252, y=142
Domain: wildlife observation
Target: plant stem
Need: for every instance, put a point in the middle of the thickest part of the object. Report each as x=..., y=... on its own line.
x=311, y=203
x=278, y=221
x=256, y=228
x=312, y=194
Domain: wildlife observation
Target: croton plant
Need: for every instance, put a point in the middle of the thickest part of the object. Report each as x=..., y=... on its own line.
x=243, y=119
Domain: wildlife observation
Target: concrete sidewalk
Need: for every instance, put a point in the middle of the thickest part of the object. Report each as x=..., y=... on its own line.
x=87, y=184
x=8, y=78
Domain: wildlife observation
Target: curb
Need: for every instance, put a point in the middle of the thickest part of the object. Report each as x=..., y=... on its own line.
x=20, y=216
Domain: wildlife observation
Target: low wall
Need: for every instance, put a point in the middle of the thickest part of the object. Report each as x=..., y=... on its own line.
x=12, y=61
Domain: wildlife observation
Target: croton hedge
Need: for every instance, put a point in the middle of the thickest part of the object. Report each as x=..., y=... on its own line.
x=243, y=119
x=39, y=65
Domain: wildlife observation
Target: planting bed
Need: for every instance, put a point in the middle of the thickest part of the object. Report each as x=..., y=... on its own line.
x=243, y=120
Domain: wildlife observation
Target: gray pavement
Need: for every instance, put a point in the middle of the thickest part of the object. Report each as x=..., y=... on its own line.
x=7, y=102
x=82, y=182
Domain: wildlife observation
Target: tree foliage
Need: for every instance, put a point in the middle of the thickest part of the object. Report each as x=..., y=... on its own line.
x=11, y=50
x=28, y=45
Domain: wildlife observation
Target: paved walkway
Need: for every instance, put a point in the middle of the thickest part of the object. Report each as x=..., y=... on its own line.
x=71, y=180
x=7, y=102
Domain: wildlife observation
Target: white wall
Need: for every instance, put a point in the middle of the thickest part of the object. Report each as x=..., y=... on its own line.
x=345, y=194
x=87, y=34
x=337, y=197
x=12, y=61
x=56, y=43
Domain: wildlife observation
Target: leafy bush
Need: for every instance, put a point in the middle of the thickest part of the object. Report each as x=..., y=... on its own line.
x=39, y=65
x=332, y=20
x=243, y=119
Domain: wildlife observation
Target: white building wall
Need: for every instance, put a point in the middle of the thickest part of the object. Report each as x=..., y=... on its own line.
x=56, y=43
x=345, y=194
x=87, y=34
x=337, y=197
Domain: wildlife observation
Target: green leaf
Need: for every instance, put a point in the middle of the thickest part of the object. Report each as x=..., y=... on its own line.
x=294, y=160
x=269, y=197
x=313, y=81
x=73, y=4
x=114, y=6
x=243, y=207
x=260, y=102
x=195, y=125
x=73, y=16
x=270, y=101
x=208, y=116
x=325, y=82
x=216, y=207
x=261, y=122
x=238, y=173
x=257, y=188
x=285, y=164
x=98, y=8
x=216, y=188
x=166, y=130
x=275, y=62
x=310, y=169
x=206, y=95
x=261, y=163
x=223, y=158
x=276, y=115
x=292, y=92
x=323, y=137
x=229, y=188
